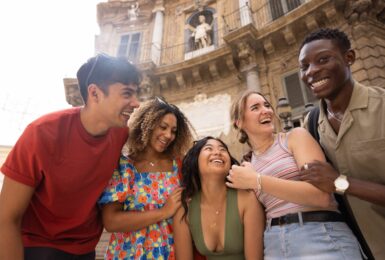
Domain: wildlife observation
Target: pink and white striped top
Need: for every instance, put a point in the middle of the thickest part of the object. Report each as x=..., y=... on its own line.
x=279, y=162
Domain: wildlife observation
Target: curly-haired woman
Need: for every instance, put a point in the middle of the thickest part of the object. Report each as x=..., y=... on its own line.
x=144, y=193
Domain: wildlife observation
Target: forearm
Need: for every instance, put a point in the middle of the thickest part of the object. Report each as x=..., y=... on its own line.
x=369, y=191
x=127, y=221
x=298, y=192
x=11, y=246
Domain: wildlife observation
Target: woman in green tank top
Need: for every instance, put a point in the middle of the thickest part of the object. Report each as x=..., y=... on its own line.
x=223, y=223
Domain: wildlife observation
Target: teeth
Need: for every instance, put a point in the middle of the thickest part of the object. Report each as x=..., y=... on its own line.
x=319, y=83
x=266, y=120
x=126, y=113
x=218, y=161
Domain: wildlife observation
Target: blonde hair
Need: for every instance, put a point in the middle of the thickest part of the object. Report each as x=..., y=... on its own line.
x=145, y=119
x=237, y=113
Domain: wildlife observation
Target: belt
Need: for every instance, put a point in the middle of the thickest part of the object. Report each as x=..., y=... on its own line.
x=310, y=216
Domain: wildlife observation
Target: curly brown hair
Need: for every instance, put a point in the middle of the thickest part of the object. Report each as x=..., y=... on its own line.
x=144, y=120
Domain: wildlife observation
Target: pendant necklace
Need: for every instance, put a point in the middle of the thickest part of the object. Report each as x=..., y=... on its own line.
x=333, y=115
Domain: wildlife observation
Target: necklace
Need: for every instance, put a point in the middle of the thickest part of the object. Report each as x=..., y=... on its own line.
x=151, y=163
x=333, y=115
x=214, y=224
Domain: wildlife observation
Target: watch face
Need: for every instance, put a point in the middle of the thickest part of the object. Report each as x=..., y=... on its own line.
x=341, y=183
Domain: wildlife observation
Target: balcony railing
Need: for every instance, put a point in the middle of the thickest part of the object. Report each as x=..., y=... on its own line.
x=262, y=15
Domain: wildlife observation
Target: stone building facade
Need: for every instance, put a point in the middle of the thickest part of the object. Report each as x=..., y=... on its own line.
x=201, y=64
x=249, y=44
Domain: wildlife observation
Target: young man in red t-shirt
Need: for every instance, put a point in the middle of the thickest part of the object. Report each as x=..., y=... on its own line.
x=61, y=164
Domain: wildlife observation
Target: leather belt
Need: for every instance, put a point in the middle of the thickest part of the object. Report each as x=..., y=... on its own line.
x=310, y=216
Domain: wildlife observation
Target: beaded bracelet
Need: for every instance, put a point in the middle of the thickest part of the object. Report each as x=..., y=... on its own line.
x=259, y=182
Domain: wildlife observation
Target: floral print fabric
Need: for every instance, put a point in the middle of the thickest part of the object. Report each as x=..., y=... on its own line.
x=141, y=192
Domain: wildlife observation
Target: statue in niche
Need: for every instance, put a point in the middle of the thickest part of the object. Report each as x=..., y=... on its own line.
x=133, y=12
x=201, y=33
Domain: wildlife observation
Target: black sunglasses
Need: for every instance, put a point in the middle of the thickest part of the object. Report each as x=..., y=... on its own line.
x=97, y=58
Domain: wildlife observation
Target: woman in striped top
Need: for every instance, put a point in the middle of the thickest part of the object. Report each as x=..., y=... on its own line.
x=302, y=222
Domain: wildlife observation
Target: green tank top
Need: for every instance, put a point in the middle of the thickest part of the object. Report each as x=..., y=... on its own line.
x=233, y=249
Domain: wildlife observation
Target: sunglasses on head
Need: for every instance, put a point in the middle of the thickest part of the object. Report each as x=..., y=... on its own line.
x=97, y=59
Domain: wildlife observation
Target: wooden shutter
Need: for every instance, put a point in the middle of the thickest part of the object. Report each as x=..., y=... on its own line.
x=294, y=91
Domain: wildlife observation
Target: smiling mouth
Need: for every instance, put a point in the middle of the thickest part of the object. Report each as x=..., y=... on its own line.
x=319, y=83
x=217, y=161
x=265, y=121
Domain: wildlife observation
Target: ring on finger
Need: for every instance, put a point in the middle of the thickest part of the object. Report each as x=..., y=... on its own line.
x=306, y=166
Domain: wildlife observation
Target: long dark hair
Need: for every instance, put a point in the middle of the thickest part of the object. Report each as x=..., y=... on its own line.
x=191, y=180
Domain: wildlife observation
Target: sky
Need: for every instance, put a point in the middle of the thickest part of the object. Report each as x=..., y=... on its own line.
x=42, y=42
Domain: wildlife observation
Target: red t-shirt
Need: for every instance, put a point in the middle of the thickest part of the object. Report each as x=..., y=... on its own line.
x=69, y=169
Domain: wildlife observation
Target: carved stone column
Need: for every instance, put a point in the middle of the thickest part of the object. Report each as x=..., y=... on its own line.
x=249, y=66
x=157, y=34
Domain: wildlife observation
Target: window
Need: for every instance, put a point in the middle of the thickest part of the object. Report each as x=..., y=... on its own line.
x=281, y=7
x=297, y=93
x=129, y=46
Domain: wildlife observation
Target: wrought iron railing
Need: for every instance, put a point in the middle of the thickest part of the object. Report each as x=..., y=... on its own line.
x=263, y=13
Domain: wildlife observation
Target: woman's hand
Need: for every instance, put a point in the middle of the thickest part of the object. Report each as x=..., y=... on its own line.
x=242, y=177
x=173, y=203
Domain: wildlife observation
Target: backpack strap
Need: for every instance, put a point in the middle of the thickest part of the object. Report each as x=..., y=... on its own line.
x=313, y=123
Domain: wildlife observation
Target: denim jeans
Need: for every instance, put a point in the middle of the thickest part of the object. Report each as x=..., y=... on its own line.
x=311, y=240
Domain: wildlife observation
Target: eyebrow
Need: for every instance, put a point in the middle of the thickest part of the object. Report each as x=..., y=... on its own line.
x=165, y=123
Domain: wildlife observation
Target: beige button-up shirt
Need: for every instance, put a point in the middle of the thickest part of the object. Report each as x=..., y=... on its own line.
x=359, y=151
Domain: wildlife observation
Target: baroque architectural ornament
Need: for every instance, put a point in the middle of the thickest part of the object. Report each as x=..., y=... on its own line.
x=357, y=10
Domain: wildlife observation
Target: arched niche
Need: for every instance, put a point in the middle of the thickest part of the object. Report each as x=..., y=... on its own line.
x=192, y=22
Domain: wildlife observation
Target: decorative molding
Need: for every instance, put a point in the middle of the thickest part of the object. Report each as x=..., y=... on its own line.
x=357, y=10
x=289, y=36
x=213, y=69
x=268, y=46
x=230, y=63
x=72, y=92
x=311, y=23
x=216, y=109
x=246, y=55
x=163, y=82
x=180, y=79
x=196, y=74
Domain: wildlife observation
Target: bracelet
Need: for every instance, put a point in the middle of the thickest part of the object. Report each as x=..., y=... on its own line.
x=259, y=182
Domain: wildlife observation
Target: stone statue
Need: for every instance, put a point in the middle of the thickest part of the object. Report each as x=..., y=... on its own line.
x=201, y=33
x=133, y=12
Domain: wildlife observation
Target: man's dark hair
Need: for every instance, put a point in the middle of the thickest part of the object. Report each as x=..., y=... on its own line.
x=337, y=36
x=104, y=70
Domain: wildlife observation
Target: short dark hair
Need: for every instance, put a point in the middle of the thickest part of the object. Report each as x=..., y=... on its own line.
x=104, y=70
x=191, y=181
x=337, y=36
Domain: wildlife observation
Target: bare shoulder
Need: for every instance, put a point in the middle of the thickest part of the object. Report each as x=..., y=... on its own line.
x=246, y=197
x=297, y=132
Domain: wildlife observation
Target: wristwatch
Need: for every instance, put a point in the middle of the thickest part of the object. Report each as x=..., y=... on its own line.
x=341, y=184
